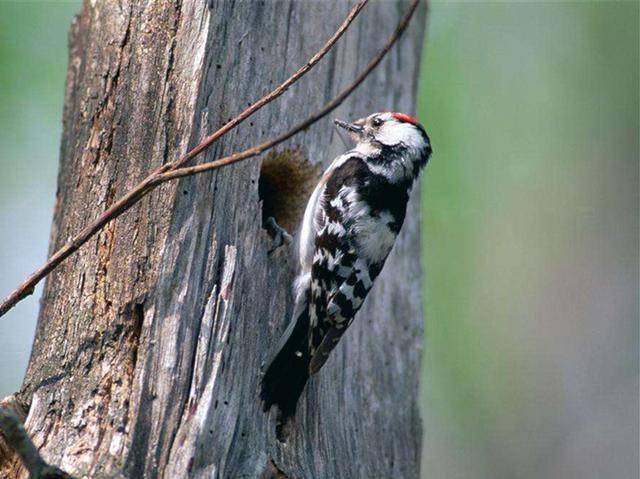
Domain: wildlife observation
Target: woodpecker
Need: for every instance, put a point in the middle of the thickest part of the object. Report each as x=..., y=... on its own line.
x=349, y=227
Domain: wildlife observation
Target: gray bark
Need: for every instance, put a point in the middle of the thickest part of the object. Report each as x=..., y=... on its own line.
x=146, y=360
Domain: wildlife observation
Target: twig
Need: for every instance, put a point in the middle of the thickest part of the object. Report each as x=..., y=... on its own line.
x=207, y=141
x=332, y=105
x=132, y=197
x=172, y=170
x=16, y=436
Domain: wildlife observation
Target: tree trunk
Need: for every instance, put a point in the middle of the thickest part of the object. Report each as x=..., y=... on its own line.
x=146, y=359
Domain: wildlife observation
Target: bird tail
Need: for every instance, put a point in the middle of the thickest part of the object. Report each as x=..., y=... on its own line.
x=287, y=371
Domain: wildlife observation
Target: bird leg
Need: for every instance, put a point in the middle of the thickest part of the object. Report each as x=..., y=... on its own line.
x=281, y=236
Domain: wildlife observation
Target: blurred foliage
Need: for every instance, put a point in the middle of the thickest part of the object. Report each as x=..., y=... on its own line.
x=531, y=240
x=33, y=54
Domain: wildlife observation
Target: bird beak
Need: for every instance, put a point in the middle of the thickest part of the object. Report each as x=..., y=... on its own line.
x=356, y=131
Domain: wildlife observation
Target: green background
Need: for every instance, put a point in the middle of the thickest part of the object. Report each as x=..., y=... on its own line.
x=530, y=227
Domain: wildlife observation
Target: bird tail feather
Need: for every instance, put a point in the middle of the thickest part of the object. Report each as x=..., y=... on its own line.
x=287, y=372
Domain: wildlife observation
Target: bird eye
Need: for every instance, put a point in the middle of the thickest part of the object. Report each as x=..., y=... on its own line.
x=377, y=122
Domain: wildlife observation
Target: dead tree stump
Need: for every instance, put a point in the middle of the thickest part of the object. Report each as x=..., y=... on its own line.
x=146, y=360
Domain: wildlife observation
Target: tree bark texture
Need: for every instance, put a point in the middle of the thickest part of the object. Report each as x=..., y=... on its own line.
x=146, y=360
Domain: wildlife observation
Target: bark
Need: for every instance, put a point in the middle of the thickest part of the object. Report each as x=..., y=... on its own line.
x=146, y=359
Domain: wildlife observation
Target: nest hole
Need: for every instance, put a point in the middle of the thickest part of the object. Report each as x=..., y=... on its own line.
x=287, y=179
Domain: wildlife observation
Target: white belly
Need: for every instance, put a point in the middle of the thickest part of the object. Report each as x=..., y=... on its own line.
x=374, y=237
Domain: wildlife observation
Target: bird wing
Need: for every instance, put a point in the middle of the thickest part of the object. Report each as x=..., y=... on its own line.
x=340, y=276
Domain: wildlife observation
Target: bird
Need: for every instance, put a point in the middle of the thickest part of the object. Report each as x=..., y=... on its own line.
x=350, y=225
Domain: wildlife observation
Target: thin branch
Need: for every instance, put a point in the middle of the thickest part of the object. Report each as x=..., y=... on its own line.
x=328, y=108
x=207, y=141
x=172, y=170
x=132, y=197
x=16, y=436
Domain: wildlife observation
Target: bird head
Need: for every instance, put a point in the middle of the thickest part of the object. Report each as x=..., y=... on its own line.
x=390, y=137
x=387, y=129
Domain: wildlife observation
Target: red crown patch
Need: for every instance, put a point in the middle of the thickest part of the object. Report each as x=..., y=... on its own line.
x=404, y=118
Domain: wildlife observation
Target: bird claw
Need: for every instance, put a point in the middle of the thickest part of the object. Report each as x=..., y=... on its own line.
x=281, y=236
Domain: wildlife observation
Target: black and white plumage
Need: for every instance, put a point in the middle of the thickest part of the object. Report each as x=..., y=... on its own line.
x=350, y=225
